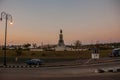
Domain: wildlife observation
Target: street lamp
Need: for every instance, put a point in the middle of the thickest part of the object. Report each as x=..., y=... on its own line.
x=7, y=17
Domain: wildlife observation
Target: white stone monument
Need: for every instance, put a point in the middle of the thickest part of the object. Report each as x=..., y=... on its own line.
x=61, y=46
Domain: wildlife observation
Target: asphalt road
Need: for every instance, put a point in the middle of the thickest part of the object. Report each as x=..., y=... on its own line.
x=104, y=76
x=80, y=72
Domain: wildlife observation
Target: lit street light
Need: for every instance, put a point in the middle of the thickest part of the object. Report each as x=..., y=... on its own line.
x=7, y=17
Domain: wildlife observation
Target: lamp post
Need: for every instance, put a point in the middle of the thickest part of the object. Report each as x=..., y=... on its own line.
x=7, y=17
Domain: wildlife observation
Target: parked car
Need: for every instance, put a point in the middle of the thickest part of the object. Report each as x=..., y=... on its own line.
x=115, y=52
x=34, y=62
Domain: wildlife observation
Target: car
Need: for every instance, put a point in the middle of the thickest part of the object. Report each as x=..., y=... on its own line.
x=115, y=52
x=34, y=62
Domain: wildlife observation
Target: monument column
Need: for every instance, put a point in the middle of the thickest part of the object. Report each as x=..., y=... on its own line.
x=61, y=41
x=61, y=45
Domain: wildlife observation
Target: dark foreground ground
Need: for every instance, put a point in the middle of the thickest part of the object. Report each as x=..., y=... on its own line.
x=98, y=76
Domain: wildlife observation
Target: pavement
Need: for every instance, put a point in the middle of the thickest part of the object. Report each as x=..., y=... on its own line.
x=69, y=72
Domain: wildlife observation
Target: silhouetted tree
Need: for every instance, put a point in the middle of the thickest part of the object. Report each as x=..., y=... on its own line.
x=27, y=45
x=77, y=44
x=34, y=45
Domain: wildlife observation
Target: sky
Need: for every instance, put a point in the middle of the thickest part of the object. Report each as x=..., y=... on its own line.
x=37, y=21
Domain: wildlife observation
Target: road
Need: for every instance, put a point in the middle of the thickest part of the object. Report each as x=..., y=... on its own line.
x=107, y=76
x=80, y=72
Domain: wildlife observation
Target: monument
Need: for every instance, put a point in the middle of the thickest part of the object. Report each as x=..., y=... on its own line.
x=61, y=41
x=61, y=45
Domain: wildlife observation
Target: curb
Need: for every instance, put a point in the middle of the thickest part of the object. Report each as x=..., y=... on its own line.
x=16, y=66
x=103, y=70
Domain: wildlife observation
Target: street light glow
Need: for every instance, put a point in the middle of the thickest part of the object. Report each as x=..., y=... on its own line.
x=11, y=23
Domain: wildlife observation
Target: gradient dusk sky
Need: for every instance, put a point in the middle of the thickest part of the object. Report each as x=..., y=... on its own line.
x=37, y=21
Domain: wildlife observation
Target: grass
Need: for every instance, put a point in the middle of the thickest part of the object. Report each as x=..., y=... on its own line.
x=50, y=56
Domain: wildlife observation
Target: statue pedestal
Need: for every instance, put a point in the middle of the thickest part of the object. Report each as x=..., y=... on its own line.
x=60, y=48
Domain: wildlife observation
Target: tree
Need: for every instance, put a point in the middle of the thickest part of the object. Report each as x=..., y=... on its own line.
x=77, y=44
x=34, y=45
x=27, y=45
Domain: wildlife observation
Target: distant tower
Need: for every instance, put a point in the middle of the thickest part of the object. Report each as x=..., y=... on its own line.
x=61, y=41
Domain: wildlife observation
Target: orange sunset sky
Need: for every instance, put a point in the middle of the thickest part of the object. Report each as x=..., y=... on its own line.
x=36, y=21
